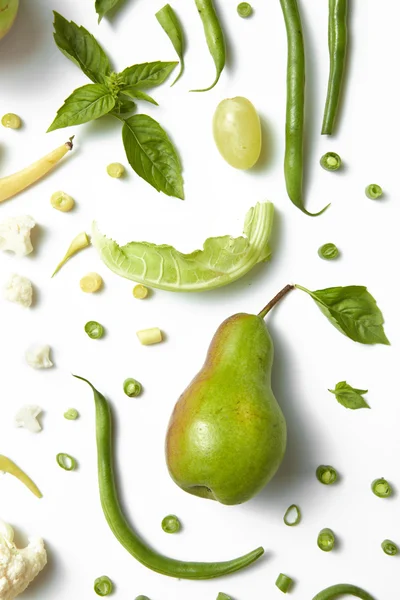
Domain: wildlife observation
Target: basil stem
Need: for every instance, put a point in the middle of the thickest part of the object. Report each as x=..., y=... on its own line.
x=326, y=474
x=326, y=540
x=292, y=516
x=381, y=488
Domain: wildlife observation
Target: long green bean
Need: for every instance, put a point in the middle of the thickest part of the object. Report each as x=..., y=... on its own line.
x=337, y=50
x=295, y=106
x=119, y=525
x=341, y=589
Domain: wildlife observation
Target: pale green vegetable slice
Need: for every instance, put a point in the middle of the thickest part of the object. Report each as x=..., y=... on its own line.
x=223, y=259
x=78, y=243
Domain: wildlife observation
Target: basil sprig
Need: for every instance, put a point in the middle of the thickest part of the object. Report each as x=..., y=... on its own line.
x=353, y=311
x=103, y=6
x=349, y=397
x=148, y=147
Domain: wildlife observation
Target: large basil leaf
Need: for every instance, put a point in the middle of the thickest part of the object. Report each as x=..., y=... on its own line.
x=353, y=311
x=152, y=155
x=84, y=104
x=103, y=6
x=80, y=46
x=349, y=397
x=146, y=75
x=222, y=260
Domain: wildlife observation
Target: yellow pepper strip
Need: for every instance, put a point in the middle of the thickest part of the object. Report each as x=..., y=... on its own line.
x=8, y=466
x=17, y=182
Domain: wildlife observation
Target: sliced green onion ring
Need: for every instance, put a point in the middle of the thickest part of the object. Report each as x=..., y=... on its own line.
x=381, y=488
x=66, y=461
x=283, y=583
x=94, y=330
x=374, y=191
x=326, y=474
x=103, y=586
x=171, y=524
x=326, y=540
x=292, y=516
x=331, y=161
x=389, y=547
x=71, y=414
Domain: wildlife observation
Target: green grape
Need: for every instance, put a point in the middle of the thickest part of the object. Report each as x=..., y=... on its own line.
x=237, y=132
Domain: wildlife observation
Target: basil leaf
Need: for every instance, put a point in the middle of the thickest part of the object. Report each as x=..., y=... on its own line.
x=103, y=6
x=353, y=311
x=133, y=92
x=84, y=104
x=147, y=75
x=173, y=28
x=223, y=259
x=77, y=44
x=349, y=397
x=152, y=155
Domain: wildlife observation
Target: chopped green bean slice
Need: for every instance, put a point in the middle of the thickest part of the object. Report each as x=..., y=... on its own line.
x=94, y=330
x=103, y=586
x=389, y=548
x=11, y=121
x=326, y=474
x=71, y=414
x=374, y=191
x=66, y=461
x=331, y=161
x=171, y=524
x=292, y=516
x=62, y=201
x=381, y=488
x=132, y=388
x=328, y=251
x=222, y=596
x=142, y=598
x=326, y=540
x=244, y=10
x=283, y=583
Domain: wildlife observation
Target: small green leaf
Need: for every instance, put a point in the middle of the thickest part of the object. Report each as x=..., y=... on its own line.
x=222, y=260
x=173, y=28
x=80, y=46
x=353, y=311
x=133, y=92
x=83, y=105
x=151, y=154
x=146, y=75
x=349, y=397
x=103, y=6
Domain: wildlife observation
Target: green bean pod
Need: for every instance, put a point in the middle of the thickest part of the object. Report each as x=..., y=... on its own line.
x=337, y=51
x=340, y=589
x=295, y=106
x=131, y=541
x=214, y=38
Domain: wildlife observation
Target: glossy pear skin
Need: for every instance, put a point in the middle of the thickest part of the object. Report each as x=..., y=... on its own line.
x=227, y=435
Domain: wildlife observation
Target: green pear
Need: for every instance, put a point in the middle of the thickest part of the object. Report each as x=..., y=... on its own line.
x=8, y=12
x=227, y=435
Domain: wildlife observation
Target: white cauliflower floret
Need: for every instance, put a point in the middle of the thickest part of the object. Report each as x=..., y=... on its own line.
x=18, y=567
x=38, y=357
x=15, y=235
x=19, y=290
x=27, y=417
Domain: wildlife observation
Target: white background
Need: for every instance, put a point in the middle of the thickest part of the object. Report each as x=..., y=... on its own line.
x=311, y=356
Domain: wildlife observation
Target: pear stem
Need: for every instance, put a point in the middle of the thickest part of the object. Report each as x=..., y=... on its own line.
x=274, y=301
